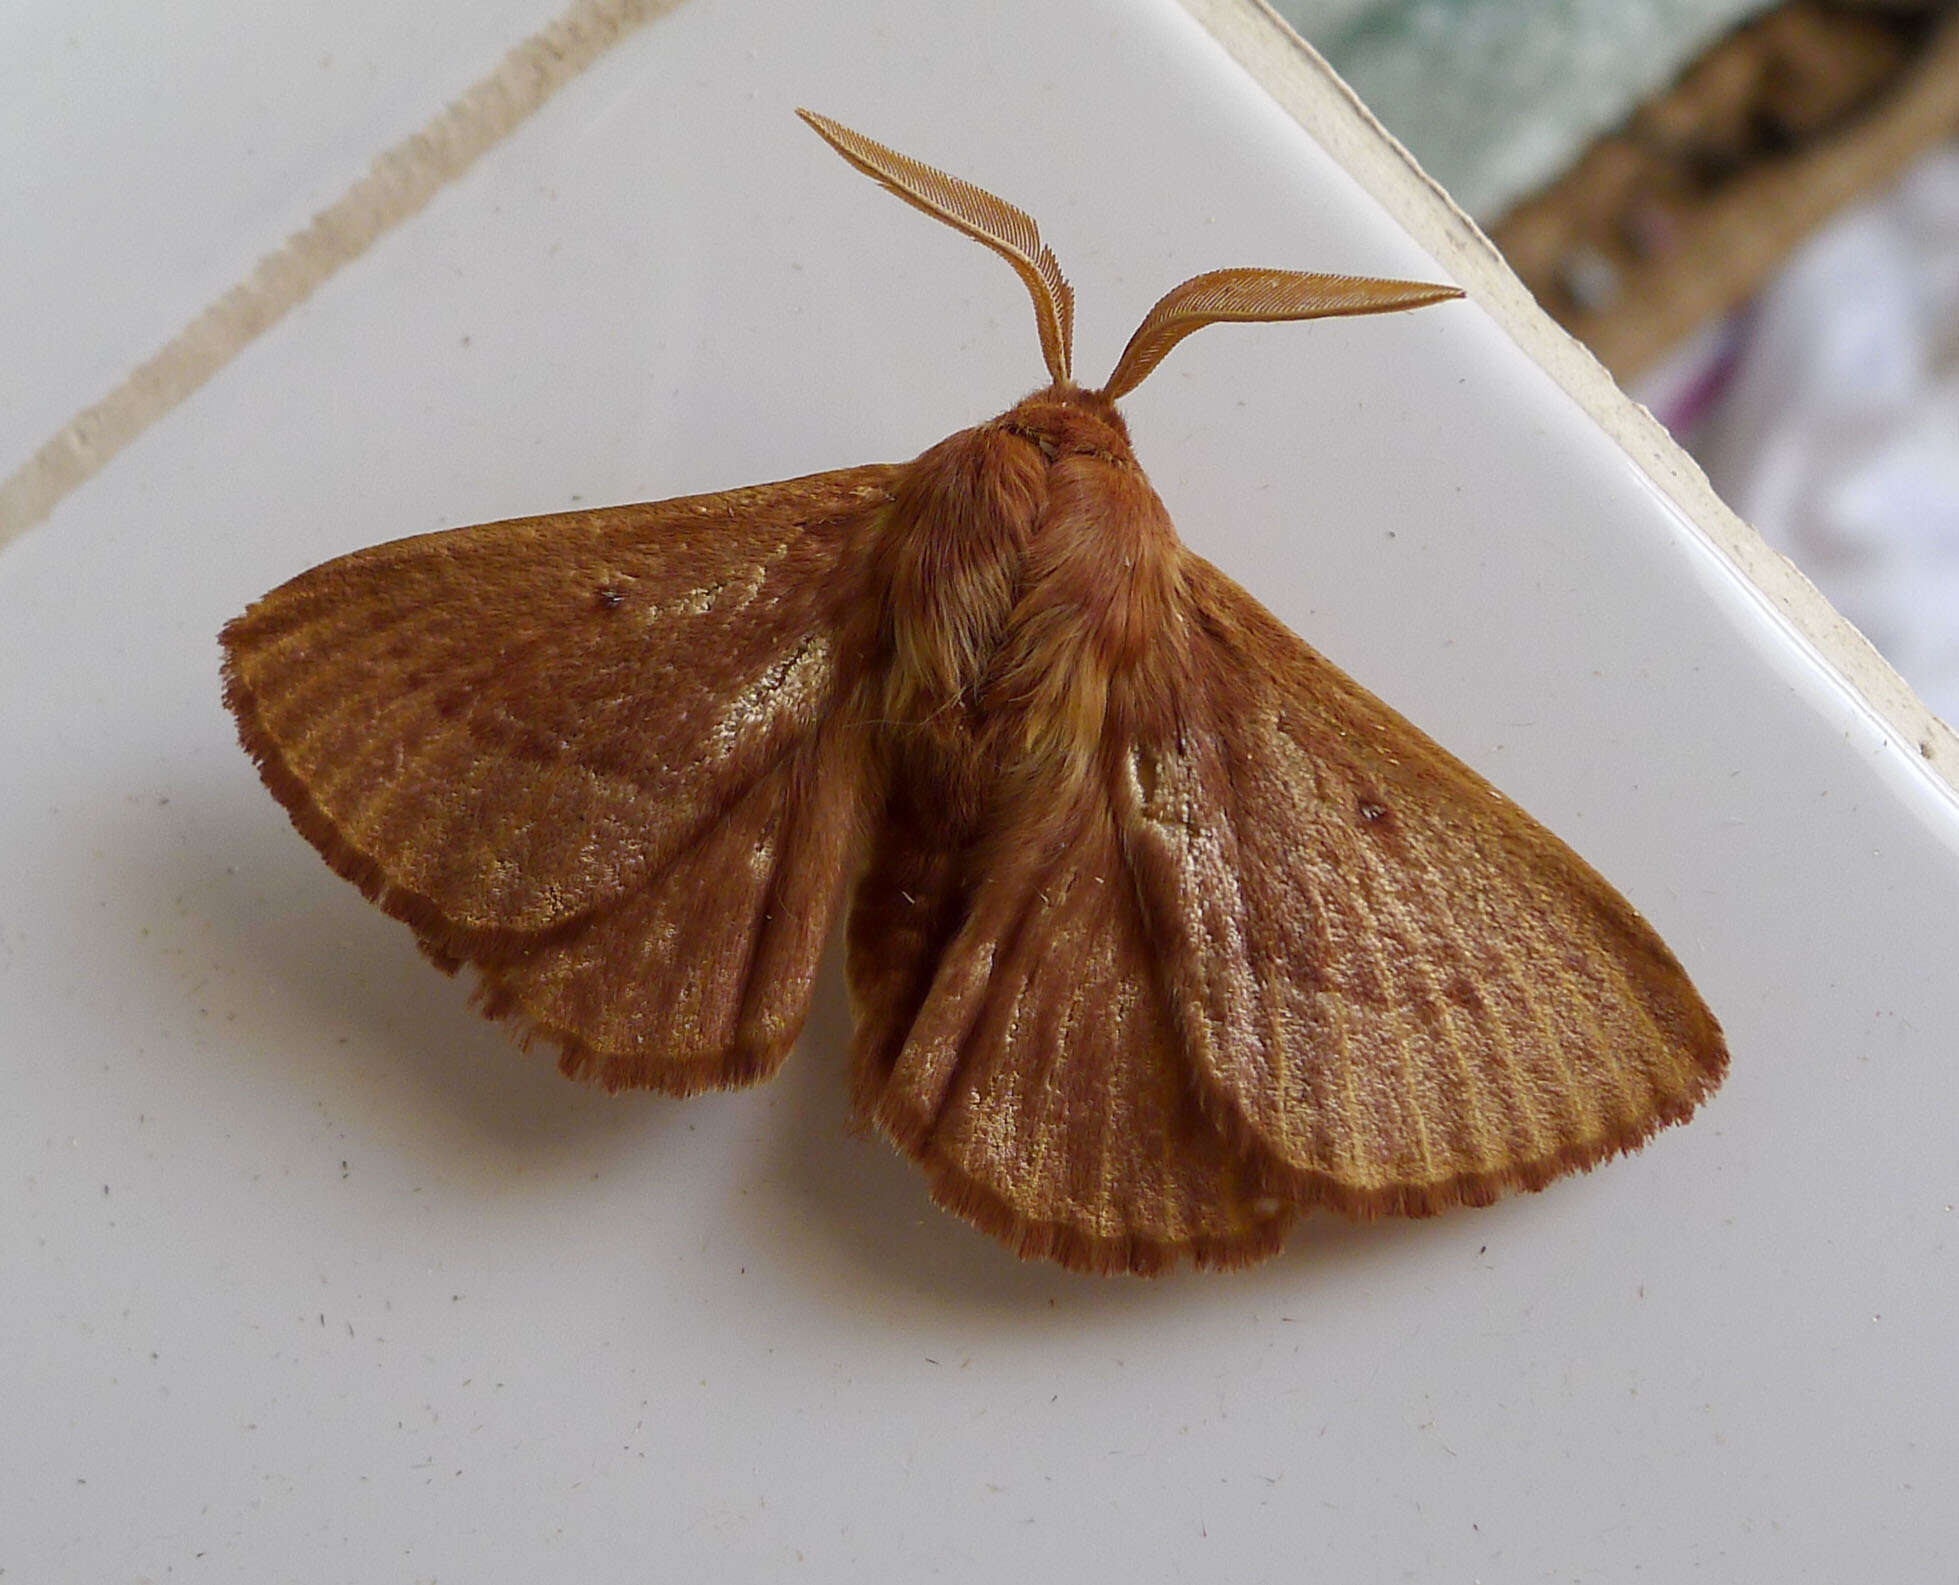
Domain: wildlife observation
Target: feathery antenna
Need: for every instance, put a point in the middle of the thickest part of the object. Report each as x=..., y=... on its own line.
x=1254, y=295
x=1010, y=232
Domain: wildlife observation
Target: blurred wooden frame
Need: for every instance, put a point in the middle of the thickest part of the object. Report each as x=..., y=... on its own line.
x=1305, y=88
x=1681, y=215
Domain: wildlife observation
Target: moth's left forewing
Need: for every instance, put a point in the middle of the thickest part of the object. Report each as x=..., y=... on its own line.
x=613, y=759
x=1397, y=989
x=493, y=729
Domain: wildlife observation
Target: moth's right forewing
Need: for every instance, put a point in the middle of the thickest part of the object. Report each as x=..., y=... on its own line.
x=1397, y=988
x=496, y=729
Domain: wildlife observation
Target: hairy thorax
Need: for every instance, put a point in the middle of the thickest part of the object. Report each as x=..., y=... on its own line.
x=1027, y=574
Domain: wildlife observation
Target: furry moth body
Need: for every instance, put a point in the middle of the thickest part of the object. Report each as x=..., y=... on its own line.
x=1160, y=929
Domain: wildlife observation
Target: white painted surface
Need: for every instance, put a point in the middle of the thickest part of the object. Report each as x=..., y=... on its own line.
x=309, y=1274
x=155, y=152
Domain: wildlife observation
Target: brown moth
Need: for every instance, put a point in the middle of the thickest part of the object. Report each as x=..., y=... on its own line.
x=1163, y=930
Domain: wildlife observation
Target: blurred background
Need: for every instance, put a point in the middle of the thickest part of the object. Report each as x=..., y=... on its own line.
x=1750, y=213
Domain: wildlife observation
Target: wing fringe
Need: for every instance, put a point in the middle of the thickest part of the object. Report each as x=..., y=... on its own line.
x=1090, y=1254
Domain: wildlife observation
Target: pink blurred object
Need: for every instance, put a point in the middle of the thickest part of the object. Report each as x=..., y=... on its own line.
x=1828, y=416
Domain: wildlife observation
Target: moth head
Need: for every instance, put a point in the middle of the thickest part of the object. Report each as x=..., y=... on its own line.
x=1216, y=297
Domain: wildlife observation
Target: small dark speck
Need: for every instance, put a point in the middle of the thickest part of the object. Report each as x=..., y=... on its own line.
x=610, y=599
x=577, y=498
x=1925, y=747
